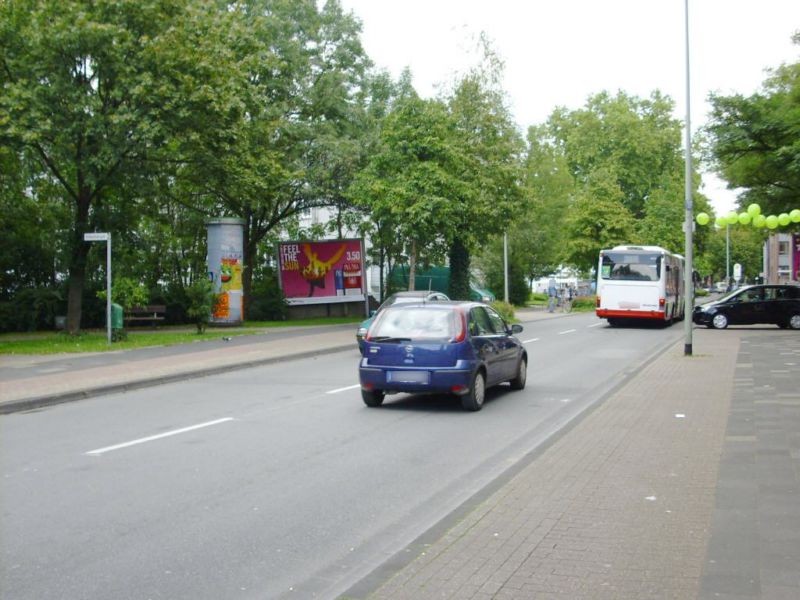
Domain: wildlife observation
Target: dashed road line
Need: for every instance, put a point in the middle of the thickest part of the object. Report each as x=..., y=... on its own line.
x=344, y=389
x=157, y=437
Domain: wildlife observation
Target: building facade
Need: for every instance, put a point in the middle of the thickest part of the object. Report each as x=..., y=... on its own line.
x=782, y=258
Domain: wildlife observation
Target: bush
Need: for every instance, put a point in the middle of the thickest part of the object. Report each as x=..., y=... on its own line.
x=505, y=310
x=267, y=302
x=32, y=309
x=518, y=289
x=584, y=303
x=126, y=292
x=200, y=297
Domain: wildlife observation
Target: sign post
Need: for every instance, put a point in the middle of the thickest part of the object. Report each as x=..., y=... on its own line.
x=104, y=237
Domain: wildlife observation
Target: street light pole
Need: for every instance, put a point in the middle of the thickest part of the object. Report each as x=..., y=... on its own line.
x=505, y=267
x=688, y=223
x=727, y=256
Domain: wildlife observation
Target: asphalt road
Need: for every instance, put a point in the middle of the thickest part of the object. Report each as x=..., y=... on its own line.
x=275, y=481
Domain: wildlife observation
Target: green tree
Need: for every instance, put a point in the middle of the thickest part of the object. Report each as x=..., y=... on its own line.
x=597, y=219
x=92, y=92
x=491, y=170
x=293, y=145
x=549, y=188
x=408, y=185
x=753, y=141
x=625, y=159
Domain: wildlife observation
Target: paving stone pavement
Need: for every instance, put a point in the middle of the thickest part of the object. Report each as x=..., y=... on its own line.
x=754, y=550
x=627, y=504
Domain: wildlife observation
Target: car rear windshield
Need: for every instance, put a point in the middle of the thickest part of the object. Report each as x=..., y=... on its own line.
x=415, y=323
x=631, y=266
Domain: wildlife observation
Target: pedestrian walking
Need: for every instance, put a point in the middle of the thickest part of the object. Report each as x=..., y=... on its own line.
x=552, y=295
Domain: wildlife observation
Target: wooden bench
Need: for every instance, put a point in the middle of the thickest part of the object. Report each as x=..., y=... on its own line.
x=152, y=314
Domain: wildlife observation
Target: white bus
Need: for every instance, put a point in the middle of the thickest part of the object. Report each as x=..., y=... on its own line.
x=640, y=282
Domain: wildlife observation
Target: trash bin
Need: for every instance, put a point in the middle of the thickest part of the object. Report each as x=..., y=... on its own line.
x=117, y=323
x=116, y=316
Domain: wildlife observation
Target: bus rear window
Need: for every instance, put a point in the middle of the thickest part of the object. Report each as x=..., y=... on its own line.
x=627, y=266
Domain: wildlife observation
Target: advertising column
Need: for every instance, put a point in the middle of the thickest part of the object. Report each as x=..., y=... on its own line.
x=225, y=258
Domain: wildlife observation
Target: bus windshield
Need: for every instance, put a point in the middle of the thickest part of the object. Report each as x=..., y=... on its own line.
x=631, y=266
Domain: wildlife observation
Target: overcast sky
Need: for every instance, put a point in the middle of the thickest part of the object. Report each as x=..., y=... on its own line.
x=559, y=52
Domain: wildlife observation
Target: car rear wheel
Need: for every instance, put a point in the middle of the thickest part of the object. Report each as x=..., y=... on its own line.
x=373, y=398
x=518, y=382
x=794, y=322
x=720, y=321
x=473, y=400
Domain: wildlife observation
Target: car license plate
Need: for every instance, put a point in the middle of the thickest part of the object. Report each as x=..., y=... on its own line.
x=408, y=376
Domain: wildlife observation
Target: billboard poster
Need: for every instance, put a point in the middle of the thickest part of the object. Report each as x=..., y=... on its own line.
x=321, y=272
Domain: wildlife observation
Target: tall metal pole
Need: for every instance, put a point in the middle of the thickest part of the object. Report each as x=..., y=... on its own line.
x=727, y=256
x=688, y=223
x=108, y=287
x=505, y=267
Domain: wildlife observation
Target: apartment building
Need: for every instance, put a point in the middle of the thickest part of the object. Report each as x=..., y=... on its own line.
x=782, y=258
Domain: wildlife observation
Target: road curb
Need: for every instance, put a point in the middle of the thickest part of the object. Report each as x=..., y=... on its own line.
x=26, y=404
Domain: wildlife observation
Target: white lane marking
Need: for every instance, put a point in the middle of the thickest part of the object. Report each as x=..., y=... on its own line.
x=530, y=340
x=596, y=325
x=157, y=437
x=567, y=331
x=344, y=389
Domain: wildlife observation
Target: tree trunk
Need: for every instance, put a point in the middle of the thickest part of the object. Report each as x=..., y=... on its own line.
x=77, y=277
x=77, y=265
x=412, y=266
x=249, y=256
x=381, y=272
x=459, y=271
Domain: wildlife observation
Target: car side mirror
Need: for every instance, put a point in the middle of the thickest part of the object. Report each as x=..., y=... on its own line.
x=516, y=328
x=372, y=313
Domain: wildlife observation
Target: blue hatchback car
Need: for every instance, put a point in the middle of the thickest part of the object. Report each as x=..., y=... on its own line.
x=412, y=296
x=459, y=348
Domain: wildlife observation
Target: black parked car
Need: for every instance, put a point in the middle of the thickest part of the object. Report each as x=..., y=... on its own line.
x=773, y=304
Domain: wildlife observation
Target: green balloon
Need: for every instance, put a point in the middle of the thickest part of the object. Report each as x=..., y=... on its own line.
x=702, y=218
x=795, y=215
x=721, y=221
x=744, y=218
x=759, y=221
x=754, y=210
x=733, y=217
x=784, y=219
x=772, y=221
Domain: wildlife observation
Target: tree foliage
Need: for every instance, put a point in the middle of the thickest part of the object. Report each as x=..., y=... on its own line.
x=621, y=169
x=754, y=141
x=91, y=94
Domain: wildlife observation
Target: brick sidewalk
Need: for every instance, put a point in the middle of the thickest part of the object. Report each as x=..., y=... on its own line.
x=619, y=507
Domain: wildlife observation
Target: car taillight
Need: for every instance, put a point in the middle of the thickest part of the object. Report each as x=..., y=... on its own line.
x=597, y=302
x=461, y=326
x=662, y=302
